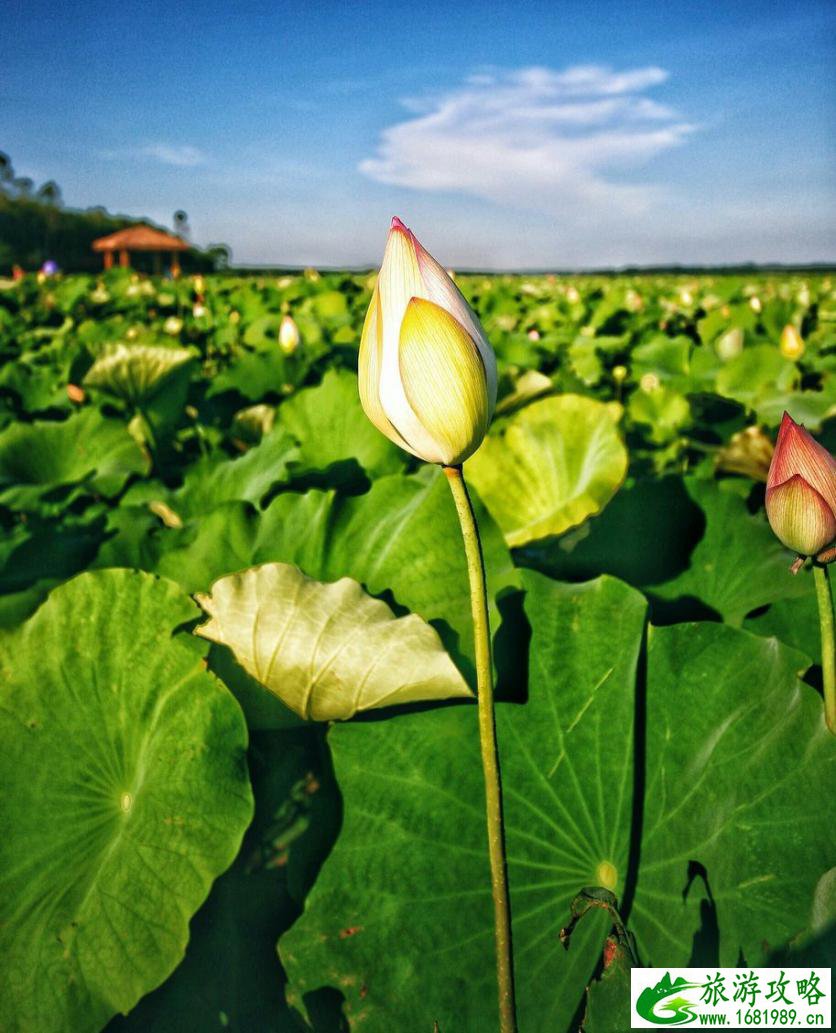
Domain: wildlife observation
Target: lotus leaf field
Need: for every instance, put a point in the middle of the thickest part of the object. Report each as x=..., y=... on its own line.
x=181, y=851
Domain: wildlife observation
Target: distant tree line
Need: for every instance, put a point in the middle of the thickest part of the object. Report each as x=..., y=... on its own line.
x=35, y=226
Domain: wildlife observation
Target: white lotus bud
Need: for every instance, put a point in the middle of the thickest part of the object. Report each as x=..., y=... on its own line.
x=427, y=372
x=288, y=335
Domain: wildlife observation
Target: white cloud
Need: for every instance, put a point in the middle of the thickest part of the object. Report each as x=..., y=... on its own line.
x=558, y=141
x=179, y=155
x=182, y=155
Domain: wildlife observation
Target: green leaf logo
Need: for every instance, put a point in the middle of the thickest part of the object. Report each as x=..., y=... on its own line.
x=654, y=1006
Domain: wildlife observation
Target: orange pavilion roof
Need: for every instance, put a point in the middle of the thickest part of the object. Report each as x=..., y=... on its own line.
x=140, y=238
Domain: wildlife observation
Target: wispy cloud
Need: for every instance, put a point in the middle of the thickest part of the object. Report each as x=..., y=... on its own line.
x=559, y=141
x=179, y=155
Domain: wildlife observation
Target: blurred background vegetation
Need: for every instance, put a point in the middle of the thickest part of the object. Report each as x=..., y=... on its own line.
x=35, y=227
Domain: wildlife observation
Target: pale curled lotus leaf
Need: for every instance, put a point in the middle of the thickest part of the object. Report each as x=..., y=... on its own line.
x=327, y=650
x=134, y=372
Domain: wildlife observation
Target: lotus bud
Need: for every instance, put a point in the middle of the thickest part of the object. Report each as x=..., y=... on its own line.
x=619, y=374
x=792, y=343
x=730, y=345
x=288, y=335
x=427, y=372
x=801, y=491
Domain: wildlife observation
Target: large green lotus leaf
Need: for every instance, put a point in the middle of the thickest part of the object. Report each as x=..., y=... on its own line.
x=730, y=755
x=330, y=426
x=38, y=457
x=263, y=331
x=402, y=537
x=644, y=536
x=737, y=567
x=668, y=358
x=757, y=375
x=327, y=650
x=550, y=466
x=258, y=374
x=231, y=976
x=795, y=620
x=40, y=549
x=608, y=998
x=411, y=858
x=39, y=554
x=125, y=795
x=663, y=411
x=37, y=387
x=737, y=832
x=808, y=407
x=134, y=372
x=211, y=482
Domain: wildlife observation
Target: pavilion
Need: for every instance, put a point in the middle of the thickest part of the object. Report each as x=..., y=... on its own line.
x=140, y=238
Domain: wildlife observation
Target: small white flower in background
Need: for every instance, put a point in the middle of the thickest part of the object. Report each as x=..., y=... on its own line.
x=427, y=372
x=730, y=345
x=199, y=311
x=288, y=335
x=792, y=343
x=173, y=325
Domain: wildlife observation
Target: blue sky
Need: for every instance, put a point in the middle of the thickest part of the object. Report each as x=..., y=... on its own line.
x=506, y=134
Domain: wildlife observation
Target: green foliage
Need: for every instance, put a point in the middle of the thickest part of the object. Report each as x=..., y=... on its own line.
x=125, y=794
x=158, y=426
x=613, y=777
x=550, y=466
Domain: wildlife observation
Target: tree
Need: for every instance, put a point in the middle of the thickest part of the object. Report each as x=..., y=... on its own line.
x=221, y=256
x=50, y=193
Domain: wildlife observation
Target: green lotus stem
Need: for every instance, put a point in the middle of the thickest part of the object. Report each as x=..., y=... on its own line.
x=151, y=435
x=490, y=754
x=828, y=643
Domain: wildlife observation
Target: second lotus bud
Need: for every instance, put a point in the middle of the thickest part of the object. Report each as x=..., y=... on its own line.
x=801, y=491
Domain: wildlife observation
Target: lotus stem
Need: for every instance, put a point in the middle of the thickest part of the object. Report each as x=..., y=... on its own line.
x=490, y=754
x=828, y=644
